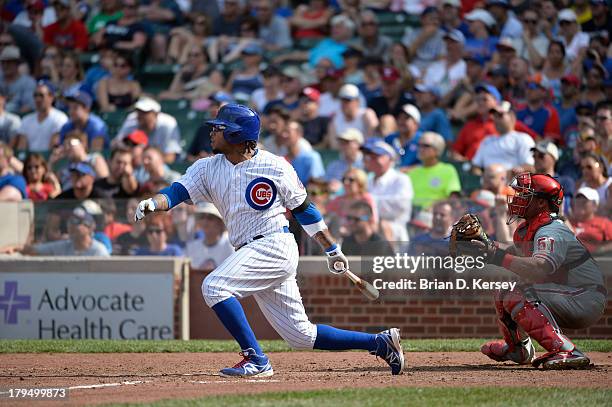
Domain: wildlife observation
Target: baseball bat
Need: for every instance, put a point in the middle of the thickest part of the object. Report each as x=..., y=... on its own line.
x=366, y=288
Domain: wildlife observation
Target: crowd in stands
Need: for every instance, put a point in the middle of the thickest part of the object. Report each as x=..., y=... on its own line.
x=398, y=116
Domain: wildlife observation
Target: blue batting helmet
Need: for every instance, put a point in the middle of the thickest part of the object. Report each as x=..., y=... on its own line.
x=239, y=123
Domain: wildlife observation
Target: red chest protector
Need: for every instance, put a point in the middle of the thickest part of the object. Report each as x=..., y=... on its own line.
x=525, y=233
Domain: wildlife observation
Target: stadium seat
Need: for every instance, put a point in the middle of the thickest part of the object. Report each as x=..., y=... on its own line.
x=113, y=121
x=155, y=78
x=328, y=155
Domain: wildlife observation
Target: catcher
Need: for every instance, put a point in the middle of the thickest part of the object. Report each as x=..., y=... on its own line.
x=560, y=283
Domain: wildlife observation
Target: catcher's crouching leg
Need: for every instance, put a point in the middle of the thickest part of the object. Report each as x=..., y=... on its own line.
x=538, y=322
x=515, y=346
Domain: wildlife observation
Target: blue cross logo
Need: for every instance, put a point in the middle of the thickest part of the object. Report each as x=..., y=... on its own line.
x=11, y=302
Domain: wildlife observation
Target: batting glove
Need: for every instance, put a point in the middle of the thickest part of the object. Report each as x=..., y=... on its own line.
x=337, y=262
x=144, y=207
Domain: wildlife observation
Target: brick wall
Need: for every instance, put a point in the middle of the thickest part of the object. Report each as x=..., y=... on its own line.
x=333, y=300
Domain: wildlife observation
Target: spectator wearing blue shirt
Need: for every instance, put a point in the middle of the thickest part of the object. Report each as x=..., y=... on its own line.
x=509, y=25
x=342, y=31
x=432, y=117
x=566, y=106
x=306, y=162
x=157, y=239
x=450, y=14
x=537, y=115
x=349, y=143
x=405, y=140
x=81, y=118
x=481, y=43
x=12, y=186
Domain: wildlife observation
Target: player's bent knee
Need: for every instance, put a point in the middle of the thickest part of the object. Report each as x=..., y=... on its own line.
x=303, y=337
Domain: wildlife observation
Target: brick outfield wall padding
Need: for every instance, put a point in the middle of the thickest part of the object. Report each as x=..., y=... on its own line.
x=333, y=300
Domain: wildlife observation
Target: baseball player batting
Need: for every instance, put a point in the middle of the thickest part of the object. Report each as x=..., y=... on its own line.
x=561, y=284
x=252, y=189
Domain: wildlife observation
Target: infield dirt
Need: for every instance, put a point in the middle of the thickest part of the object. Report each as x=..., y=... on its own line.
x=136, y=377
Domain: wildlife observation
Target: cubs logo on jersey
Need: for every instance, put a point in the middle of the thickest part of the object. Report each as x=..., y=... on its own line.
x=260, y=193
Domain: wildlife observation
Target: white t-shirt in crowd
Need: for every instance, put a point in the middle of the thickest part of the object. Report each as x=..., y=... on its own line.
x=208, y=257
x=166, y=136
x=443, y=77
x=511, y=150
x=38, y=133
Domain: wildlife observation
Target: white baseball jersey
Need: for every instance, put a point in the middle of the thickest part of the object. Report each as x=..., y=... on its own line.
x=252, y=196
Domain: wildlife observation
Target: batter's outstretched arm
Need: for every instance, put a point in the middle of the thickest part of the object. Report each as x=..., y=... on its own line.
x=166, y=199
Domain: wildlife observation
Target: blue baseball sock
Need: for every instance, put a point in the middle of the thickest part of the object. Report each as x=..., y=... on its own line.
x=232, y=317
x=330, y=338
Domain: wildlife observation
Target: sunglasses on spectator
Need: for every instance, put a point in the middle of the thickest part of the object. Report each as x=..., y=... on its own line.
x=424, y=145
x=602, y=118
x=121, y=65
x=316, y=192
x=33, y=167
x=368, y=23
x=362, y=218
x=348, y=180
x=76, y=221
x=38, y=95
x=194, y=55
x=5, y=43
x=565, y=22
x=530, y=21
x=200, y=22
x=155, y=231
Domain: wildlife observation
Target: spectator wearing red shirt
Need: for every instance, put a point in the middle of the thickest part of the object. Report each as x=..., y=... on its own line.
x=595, y=232
x=67, y=32
x=540, y=117
x=476, y=129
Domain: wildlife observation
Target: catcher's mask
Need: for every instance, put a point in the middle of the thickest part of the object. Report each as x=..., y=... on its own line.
x=526, y=186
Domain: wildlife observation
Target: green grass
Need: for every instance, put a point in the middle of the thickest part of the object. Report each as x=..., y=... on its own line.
x=116, y=346
x=408, y=396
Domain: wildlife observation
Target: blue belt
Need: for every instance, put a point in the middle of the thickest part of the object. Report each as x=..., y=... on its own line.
x=284, y=230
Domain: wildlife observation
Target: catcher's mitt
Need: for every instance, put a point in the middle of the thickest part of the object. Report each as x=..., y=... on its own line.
x=465, y=230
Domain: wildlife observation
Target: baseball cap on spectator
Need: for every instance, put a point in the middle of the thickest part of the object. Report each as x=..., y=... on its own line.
x=422, y=88
x=271, y=70
x=428, y=10
x=412, y=111
x=10, y=53
x=344, y=20
x=567, y=14
x=311, y=93
x=389, y=74
x=48, y=84
x=535, y=82
x=92, y=207
x=547, y=147
x=481, y=15
x=498, y=70
x=352, y=53
x=292, y=72
x=80, y=97
x=82, y=168
x=147, y=104
x=490, y=89
x=571, y=80
x=138, y=137
x=589, y=193
x=454, y=3
x=207, y=208
x=478, y=59
x=379, y=146
x=351, y=134
x=334, y=73
x=455, y=35
x=253, y=49
x=584, y=108
x=503, y=3
x=36, y=6
x=506, y=42
x=349, y=92
x=82, y=216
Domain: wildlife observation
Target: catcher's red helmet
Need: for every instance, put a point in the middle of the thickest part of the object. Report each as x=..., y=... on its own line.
x=528, y=185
